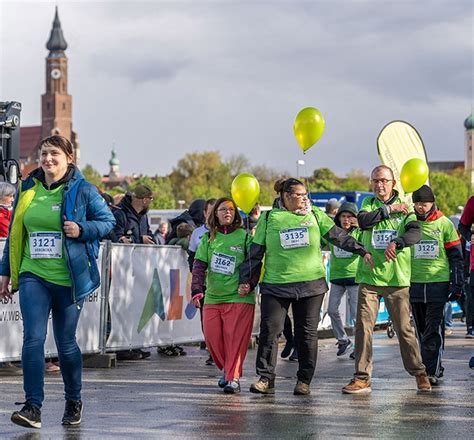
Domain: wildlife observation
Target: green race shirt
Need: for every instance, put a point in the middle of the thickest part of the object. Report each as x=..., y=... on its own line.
x=429, y=262
x=375, y=240
x=223, y=257
x=293, y=245
x=343, y=264
x=44, y=254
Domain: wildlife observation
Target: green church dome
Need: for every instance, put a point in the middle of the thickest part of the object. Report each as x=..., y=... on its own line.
x=114, y=160
x=469, y=122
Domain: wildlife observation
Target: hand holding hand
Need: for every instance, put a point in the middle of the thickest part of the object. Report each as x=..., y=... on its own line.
x=391, y=251
x=197, y=302
x=244, y=289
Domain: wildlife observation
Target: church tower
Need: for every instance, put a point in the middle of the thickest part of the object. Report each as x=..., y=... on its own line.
x=468, y=142
x=56, y=103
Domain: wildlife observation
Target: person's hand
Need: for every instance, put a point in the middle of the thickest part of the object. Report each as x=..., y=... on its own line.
x=391, y=251
x=124, y=239
x=197, y=301
x=71, y=229
x=147, y=239
x=244, y=289
x=399, y=207
x=353, y=222
x=472, y=240
x=4, y=287
x=369, y=260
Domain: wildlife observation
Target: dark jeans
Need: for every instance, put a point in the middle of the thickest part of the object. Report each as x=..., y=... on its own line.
x=306, y=312
x=470, y=307
x=38, y=298
x=429, y=322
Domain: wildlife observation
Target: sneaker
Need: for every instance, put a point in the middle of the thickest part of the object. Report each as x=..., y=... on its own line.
x=448, y=331
x=469, y=333
x=357, y=386
x=294, y=355
x=51, y=367
x=352, y=355
x=287, y=350
x=434, y=380
x=209, y=360
x=263, y=386
x=343, y=347
x=72, y=412
x=301, y=389
x=221, y=383
x=423, y=383
x=145, y=354
x=232, y=387
x=29, y=416
x=180, y=350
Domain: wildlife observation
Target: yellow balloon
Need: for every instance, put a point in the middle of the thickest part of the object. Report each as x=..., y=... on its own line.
x=414, y=174
x=308, y=127
x=245, y=191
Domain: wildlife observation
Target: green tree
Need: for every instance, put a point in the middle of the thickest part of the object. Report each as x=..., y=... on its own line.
x=162, y=189
x=92, y=176
x=200, y=175
x=355, y=180
x=451, y=190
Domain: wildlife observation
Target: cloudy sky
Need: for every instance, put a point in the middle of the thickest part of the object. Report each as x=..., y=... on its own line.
x=161, y=79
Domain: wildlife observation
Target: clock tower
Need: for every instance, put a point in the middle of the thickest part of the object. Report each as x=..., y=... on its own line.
x=56, y=103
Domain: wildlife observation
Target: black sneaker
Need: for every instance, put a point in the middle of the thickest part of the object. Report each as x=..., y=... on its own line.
x=263, y=386
x=29, y=416
x=287, y=349
x=72, y=412
x=232, y=387
x=209, y=360
x=294, y=355
x=343, y=347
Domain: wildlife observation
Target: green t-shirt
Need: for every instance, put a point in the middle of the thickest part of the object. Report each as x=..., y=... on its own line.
x=44, y=253
x=375, y=240
x=429, y=262
x=343, y=264
x=293, y=245
x=223, y=257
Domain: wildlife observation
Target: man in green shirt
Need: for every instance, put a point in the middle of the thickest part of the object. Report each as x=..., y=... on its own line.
x=437, y=268
x=388, y=231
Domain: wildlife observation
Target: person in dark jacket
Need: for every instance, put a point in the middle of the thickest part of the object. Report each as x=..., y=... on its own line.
x=132, y=219
x=289, y=237
x=193, y=216
x=436, y=271
x=50, y=257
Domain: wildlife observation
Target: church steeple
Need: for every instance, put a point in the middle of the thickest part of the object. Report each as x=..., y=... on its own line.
x=56, y=43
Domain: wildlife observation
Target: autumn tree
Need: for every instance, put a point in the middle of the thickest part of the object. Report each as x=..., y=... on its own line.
x=451, y=190
x=92, y=176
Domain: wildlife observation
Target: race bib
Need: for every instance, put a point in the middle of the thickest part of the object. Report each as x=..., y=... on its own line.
x=341, y=253
x=222, y=263
x=382, y=237
x=427, y=249
x=46, y=245
x=294, y=238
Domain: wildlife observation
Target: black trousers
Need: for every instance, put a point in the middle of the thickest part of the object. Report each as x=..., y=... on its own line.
x=306, y=313
x=470, y=307
x=429, y=322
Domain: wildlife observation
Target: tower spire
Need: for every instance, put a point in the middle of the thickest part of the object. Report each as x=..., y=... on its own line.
x=56, y=43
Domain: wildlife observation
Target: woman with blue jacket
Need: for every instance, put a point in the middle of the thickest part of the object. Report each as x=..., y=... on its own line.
x=50, y=257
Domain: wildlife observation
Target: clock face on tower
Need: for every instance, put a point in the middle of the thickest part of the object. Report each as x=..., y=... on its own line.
x=55, y=74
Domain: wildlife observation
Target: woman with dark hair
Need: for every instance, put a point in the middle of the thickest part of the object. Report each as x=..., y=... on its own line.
x=227, y=315
x=289, y=237
x=50, y=257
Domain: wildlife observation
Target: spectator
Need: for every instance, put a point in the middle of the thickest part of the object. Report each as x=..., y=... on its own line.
x=193, y=216
x=184, y=232
x=250, y=222
x=332, y=206
x=161, y=233
x=7, y=194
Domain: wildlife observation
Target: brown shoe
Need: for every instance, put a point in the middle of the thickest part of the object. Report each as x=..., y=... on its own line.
x=263, y=386
x=423, y=383
x=357, y=386
x=301, y=389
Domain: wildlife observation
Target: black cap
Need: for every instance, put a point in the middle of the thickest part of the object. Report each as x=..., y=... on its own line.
x=424, y=194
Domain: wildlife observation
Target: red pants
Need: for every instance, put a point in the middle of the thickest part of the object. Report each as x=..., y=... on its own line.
x=227, y=330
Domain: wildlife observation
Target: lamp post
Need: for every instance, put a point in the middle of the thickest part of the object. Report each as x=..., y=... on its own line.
x=299, y=163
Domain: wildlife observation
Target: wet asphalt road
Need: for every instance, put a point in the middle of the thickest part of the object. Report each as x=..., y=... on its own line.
x=178, y=397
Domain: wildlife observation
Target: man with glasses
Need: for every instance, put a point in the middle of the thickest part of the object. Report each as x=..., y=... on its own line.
x=388, y=231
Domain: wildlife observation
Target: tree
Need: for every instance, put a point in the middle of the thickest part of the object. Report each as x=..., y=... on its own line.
x=200, y=175
x=92, y=176
x=237, y=164
x=355, y=180
x=451, y=191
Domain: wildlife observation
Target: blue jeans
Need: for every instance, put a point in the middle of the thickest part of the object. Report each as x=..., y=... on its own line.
x=38, y=298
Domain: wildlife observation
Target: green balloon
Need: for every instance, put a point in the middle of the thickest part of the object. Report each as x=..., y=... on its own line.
x=414, y=175
x=308, y=127
x=245, y=191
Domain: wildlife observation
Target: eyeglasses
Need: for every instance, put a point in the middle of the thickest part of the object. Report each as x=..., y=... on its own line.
x=299, y=195
x=226, y=210
x=382, y=181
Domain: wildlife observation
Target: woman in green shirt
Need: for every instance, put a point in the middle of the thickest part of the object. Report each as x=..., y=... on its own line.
x=289, y=237
x=227, y=315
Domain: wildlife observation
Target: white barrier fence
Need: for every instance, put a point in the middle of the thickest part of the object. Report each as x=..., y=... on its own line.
x=146, y=290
